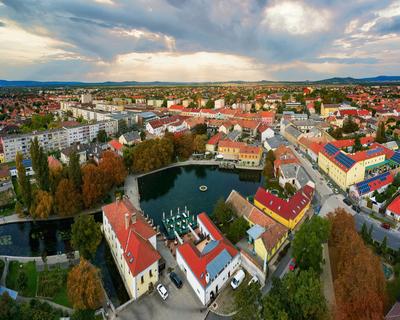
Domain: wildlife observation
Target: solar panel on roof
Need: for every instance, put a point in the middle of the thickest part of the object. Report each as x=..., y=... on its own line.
x=373, y=151
x=218, y=263
x=331, y=149
x=344, y=160
x=364, y=186
x=396, y=157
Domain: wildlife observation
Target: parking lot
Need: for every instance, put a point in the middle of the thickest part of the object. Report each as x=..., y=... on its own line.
x=181, y=303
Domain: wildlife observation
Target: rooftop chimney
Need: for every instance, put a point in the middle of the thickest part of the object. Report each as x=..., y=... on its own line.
x=133, y=217
x=127, y=221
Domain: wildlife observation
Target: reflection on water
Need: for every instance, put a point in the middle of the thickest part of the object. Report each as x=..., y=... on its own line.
x=52, y=237
x=179, y=187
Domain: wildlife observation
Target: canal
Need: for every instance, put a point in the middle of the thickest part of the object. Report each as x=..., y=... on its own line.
x=162, y=191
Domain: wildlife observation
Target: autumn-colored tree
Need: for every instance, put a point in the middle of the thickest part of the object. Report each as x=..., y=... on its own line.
x=199, y=143
x=74, y=170
x=55, y=176
x=359, y=281
x=113, y=167
x=94, y=184
x=68, y=201
x=84, y=286
x=184, y=146
x=42, y=204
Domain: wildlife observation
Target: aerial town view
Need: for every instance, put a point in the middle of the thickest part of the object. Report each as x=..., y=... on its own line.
x=205, y=160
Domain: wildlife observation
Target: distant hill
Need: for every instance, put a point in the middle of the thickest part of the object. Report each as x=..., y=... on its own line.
x=336, y=80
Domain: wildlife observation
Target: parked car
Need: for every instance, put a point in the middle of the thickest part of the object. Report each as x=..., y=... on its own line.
x=347, y=201
x=237, y=279
x=176, y=280
x=253, y=280
x=292, y=264
x=356, y=208
x=385, y=225
x=162, y=291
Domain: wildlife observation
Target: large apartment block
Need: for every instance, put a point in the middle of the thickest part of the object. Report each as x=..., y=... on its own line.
x=55, y=139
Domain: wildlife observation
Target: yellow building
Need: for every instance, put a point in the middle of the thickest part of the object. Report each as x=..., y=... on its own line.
x=239, y=151
x=347, y=169
x=287, y=212
x=328, y=109
x=265, y=233
x=133, y=245
x=2, y=157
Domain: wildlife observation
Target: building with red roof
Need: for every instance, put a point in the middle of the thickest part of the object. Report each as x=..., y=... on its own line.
x=210, y=263
x=287, y=212
x=393, y=209
x=133, y=245
x=116, y=146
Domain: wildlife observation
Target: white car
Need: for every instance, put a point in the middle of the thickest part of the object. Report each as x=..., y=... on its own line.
x=162, y=291
x=253, y=280
x=237, y=279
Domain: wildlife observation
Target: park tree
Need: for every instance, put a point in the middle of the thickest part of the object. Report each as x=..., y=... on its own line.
x=68, y=200
x=74, y=170
x=55, y=176
x=199, y=143
x=237, y=229
x=307, y=244
x=248, y=301
x=199, y=129
x=184, y=146
x=87, y=296
x=381, y=133
x=42, y=176
x=102, y=136
x=268, y=170
x=349, y=126
x=359, y=282
x=113, y=167
x=297, y=296
x=34, y=152
x=8, y=307
x=223, y=212
x=42, y=205
x=357, y=144
x=24, y=184
x=85, y=235
x=94, y=184
x=152, y=154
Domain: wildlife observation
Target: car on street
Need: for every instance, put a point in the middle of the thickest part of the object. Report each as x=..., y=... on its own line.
x=253, y=280
x=292, y=264
x=162, y=291
x=176, y=280
x=385, y=225
x=336, y=191
x=356, y=208
x=237, y=279
x=347, y=201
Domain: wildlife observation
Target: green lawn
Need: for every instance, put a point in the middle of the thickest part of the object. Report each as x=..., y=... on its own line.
x=53, y=285
x=14, y=269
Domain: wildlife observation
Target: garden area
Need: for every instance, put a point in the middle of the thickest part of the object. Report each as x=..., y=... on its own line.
x=48, y=284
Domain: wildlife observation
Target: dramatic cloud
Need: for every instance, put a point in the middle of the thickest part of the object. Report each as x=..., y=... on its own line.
x=191, y=40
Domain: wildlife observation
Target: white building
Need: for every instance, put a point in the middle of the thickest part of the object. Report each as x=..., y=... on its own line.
x=133, y=245
x=219, y=103
x=48, y=140
x=209, y=264
x=86, y=98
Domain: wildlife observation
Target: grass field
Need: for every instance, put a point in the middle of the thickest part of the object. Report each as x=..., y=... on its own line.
x=14, y=269
x=53, y=286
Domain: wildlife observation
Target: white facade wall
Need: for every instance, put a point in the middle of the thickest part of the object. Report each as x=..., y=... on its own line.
x=131, y=283
x=218, y=104
x=267, y=134
x=204, y=293
x=49, y=140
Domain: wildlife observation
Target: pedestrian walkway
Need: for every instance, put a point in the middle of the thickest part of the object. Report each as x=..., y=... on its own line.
x=327, y=280
x=5, y=271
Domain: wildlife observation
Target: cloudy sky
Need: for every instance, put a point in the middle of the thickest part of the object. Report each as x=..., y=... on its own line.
x=198, y=40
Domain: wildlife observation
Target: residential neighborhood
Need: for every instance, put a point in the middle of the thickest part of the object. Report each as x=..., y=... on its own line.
x=213, y=160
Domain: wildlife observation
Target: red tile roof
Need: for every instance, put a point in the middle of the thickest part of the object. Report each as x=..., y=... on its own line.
x=287, y=209
x=116, y=145
x=198, y=261
x=215, y=138
x=135, y=238
x=395, y=206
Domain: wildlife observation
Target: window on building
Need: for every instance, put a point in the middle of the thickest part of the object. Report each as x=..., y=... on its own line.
x=142, y=279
